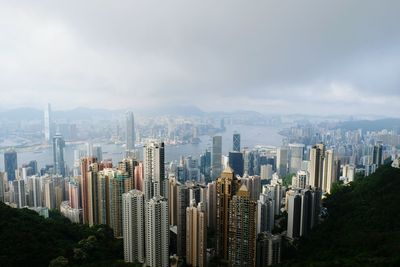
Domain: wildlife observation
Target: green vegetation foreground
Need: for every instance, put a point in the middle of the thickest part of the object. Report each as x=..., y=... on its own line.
x=29, y=240
x=363, y=227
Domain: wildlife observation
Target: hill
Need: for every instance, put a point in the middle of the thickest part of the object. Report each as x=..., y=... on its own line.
x=29, y=240
x=363, y=227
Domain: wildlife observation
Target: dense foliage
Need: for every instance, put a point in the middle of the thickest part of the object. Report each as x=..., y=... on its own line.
x=362, y=229
x=29, y=240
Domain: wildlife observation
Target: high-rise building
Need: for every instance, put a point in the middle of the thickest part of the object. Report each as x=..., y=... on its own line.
x=85, y=164
x=268, y=249
x=48, y=124
x=155, y=183
x=265, y=213
x=196, y=235
x=35, y=191
x=303, y=211
x=98, y=153
x=157, y=232
x=227, y=186
x=266, y=172
x=300, y=180
x=49, y=194
x=377, y=156
x=282, y=161
x=212, y=205
x=242, y=229
x=296, y=152
x=329, y=171
x=317, y=154
x=133, y=226
x=10, y=164
x=58, y=155
x=236, y=162
x=216, y=157
x=130, y=131
x=236, y=142
x=19, y=193
x=103, y=194
x=173, y=200
x=253, y=184
x=2, y=186
x=348, y=172
x=182, y=203
x=117, y=186
x=294, y=214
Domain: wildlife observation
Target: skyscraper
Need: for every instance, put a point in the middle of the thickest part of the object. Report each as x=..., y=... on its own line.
x=317, y=153
x=236, y=142
x=212, y=205
x=155, y=183
x=48, y=124
x=19, y=193
x=182, y=203
x=268, y=249
x=294, y=214
x=35, y=192
x=58, y=155
x=265, y=213
x=227, y=186
x=196, y=235
x=157, y=232
x=117, y=186
x=133, y=226
x=377, y=157
x=10, y=164
x=329, y=171
x=216, y=157
x=236, y=162
x=282, y=161
x=300, y=180
x=242, y=229
x=130, y=131
x=296, y=152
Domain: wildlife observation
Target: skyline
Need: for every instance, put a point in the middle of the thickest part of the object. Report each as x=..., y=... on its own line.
x=298, y=58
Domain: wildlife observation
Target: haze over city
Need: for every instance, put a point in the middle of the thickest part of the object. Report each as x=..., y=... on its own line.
x=307, y=57
x=199, y=133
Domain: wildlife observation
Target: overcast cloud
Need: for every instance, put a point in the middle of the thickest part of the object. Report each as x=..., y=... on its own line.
x=323, y=57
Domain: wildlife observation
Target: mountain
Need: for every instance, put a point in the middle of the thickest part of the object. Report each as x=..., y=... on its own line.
x=371, y=125
x=362, y=229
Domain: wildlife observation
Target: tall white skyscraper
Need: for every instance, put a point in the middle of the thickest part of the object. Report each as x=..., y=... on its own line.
x=155, y=183
x=133, y=226
x=157, y=232
x=130, y=131
x=48, y=124
x=329, y=171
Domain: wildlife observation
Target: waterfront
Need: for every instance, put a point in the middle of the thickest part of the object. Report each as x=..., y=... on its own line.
x=250, y=136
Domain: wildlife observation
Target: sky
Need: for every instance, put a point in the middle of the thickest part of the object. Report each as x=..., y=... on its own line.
x=308, y=57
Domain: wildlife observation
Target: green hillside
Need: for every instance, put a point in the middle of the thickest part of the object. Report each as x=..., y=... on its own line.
x=363, y=227
x=26, y=239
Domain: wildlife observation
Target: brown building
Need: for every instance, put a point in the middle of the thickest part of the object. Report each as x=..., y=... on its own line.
x=227, y=186
x=242, y=229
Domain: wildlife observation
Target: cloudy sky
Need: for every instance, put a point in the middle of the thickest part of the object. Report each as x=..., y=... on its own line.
x=313, y=57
